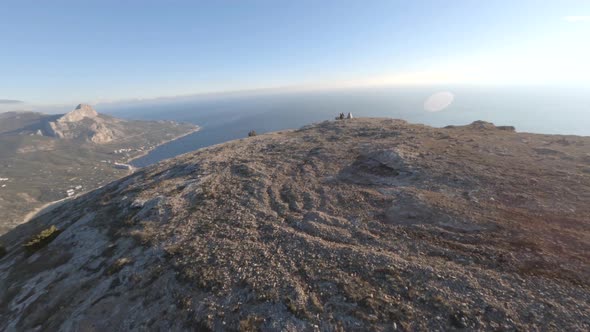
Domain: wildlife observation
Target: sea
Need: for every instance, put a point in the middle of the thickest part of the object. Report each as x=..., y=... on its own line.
x=224, y=117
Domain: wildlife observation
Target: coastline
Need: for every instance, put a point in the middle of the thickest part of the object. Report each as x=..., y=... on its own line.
x=47, y=207
x=146, y=152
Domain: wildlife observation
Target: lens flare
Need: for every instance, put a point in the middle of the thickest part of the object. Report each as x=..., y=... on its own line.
x=438, y=101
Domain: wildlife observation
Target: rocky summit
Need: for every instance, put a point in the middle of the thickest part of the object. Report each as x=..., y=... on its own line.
x=80, y=112
x=357, y=224
x=85, y=123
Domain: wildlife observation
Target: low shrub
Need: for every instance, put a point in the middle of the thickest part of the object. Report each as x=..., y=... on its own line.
x=42, y=239
x=252, y=133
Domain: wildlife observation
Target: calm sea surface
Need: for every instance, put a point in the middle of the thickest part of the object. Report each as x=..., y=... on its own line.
x=227, y=117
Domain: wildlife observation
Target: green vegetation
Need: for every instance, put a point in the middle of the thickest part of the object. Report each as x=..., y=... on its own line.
x=42, y=239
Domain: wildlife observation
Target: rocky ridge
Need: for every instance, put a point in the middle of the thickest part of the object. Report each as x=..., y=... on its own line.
x=84, y=122
x=361, y=224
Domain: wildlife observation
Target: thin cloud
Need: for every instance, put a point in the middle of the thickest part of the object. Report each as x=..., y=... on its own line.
x=10, y=101
x=574, y=19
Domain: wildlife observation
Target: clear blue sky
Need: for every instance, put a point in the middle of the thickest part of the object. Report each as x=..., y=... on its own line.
x=70, y=51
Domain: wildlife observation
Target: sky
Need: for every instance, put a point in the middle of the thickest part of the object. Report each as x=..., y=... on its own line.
x=54, y=52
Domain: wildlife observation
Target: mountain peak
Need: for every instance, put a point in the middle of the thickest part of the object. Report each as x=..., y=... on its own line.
x=83, y=106
x=96, y=129
x=355, y=224
x=80, y=112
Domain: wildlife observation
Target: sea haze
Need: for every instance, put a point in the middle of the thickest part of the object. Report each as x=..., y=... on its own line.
x=232, y=116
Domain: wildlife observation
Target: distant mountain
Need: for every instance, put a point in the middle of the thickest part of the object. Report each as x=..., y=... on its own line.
x=85, y=123
x=20, y=123
x=48, y=157
x=350, y=225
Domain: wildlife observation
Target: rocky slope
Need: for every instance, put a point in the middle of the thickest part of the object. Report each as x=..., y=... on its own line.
x=85, y=123
x=44, y=158
x=349, y=225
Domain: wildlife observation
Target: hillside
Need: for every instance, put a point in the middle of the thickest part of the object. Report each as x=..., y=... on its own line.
x=43, y=157
x=362, y=224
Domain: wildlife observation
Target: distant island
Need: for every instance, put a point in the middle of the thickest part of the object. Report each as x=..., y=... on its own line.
x=45, y=158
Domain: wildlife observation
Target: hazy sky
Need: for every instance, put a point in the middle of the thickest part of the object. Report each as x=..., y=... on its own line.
x=74, y=51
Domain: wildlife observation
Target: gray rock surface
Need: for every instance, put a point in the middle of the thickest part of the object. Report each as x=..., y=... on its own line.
x=85, y=123
x=364, y=224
